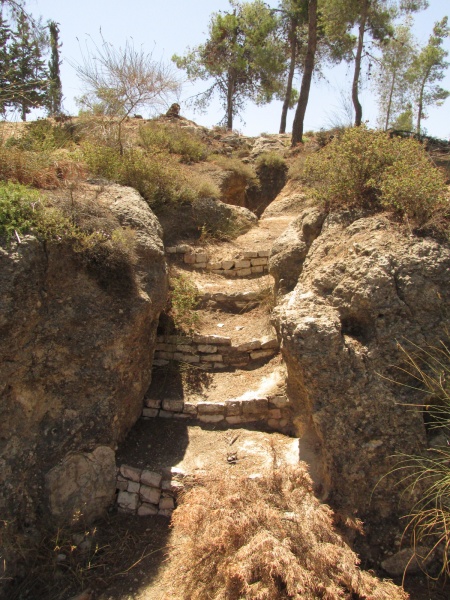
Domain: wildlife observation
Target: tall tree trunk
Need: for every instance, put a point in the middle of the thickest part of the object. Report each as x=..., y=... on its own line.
x=420, y=103
x=297, y=128
x=389, y=106
x=290, y=79
x=230, y=94
x=355, y=85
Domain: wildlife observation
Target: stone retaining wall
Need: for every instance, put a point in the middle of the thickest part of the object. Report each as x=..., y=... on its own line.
x=252, y=262
x=209, y=352
x=144, y=492
x=273, y=410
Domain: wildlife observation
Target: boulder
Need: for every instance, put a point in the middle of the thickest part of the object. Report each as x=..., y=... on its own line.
x=291, y=248
x=216, y=216
x=77, y=336
x=363, y=287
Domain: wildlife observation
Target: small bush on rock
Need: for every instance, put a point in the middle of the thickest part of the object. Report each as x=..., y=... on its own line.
x=174, y=140
x=183, y=299
x=264, y=538
x=271, y=161
x=368, y=169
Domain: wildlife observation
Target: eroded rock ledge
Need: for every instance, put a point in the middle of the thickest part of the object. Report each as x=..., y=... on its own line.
x=364, y=287
x=75, y=353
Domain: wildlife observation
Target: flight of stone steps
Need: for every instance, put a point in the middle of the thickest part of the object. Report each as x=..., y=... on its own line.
x=146, y=490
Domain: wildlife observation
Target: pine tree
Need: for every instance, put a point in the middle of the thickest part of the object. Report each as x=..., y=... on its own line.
x=54, y=98
x=29, y=81
x=5, y=66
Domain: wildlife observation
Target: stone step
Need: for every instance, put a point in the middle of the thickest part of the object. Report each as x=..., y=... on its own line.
x=248, y=263
x=274, y=410
x=213, y=352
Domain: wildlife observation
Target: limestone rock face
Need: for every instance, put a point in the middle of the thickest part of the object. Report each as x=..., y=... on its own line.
x=363, y=287
x=290, y=250
x=77, y=339
x=82, y=485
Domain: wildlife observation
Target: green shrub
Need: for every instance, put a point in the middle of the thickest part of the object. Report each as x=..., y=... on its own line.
x=157, y=177
x=363, y=168
x=271, y=161
x=19, y=207
x=42, y=135
x=183, y=299
x=236, y=166
x=173, y=139
x=429, y=520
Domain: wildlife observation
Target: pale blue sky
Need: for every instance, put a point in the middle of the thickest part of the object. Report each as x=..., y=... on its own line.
x=169, y=27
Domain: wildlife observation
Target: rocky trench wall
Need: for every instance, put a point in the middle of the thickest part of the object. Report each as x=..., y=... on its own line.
x=212, y=352
x=253, y=262
x=76, y=349
x=363, y=288
x=275, y=411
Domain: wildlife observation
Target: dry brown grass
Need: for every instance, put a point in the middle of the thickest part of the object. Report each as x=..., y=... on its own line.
x=264, y=538
x=38, y=169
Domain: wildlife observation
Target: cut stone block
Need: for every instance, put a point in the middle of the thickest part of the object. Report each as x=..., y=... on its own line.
x=187, y=348
x=233, y=408
x=242, y=264
x=264, y=253
x=207, y=348
x=234, y=420
x=130, y=473
x=269, y=342
x=278, y=401
x=171, y=250
x=145, y=510
x=151, y=479
x=167, y=503
x=212, y=339
x=173, y=404
x=256, y=270
x=153, y=402
x=261, y=354
x=150, y=494
x=227, y=264
x=217, y=271
x=182, y=248
x=201, y=258
x=247, y=346
x=231, y=273
x=189, y=358
x=255, y=406
x=164, y=414
x=243, y=272
x=128, y=501
x=274, y=413
x=219, y=366
x=274, y=424
x=250, y=254
x=133, y=487
x=200, y=265
x=211, y=418
x=259, y=262
x=211, y=358
x=215, y=266
x=189, y=408
x=122, y=485
x=181, y=416
x=150, y=413
x=211, y=408
x=189, y=259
